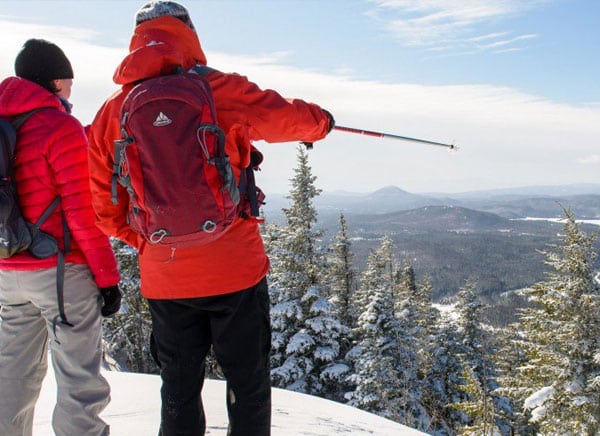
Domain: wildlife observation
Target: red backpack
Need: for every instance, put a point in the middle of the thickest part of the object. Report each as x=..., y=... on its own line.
x=171, y=159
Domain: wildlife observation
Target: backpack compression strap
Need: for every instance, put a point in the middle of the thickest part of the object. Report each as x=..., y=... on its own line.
x=247, y=181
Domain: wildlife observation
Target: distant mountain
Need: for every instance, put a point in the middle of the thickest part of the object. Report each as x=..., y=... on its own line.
x=451, y=238
x=539, y=202
x=384, y=200
x=582, y=206
x=433, y=218
x=527, y=191
x=451, y=244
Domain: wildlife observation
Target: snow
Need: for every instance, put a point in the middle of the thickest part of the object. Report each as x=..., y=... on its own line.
x=559, y=220
x=538, y=398
x=135, y=410
x=447, y=311
x=535, y=402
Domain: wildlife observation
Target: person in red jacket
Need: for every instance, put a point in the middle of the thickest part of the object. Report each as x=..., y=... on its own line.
x=37, y=313
x=215, y=294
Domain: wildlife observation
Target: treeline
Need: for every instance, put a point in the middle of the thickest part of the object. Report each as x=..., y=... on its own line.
x=375, y=340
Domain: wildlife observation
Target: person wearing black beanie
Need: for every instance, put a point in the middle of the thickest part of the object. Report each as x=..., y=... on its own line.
x=44, y=63
x=52, y=300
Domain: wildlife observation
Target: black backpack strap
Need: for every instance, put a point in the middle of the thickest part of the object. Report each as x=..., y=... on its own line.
x=251, y=190
x=10, y=140
x=201, y=70
x=35, y=228
x=60, y=284
x=60, y=261
x=60, y=268
x=66, y=233
x=20, y=119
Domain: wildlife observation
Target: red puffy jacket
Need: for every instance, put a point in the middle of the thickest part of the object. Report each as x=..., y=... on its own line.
x=50, y=161
x=237, y=260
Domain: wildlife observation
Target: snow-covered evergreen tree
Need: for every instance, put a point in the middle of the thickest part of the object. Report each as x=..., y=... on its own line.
x=376, y=375
x=439, y=347
x=511, y=356
x=483, y=406
x=443, y=375
x=341, y=275
x=127, y=334
x=341, y=279
x=561, y=337
x=420, y=296
x=480, y=406
x=412, y=310
x=385, y=358
x=305, y=331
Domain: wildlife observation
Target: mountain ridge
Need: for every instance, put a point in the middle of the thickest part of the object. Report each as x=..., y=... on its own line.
x=542, y=202
x=484, y=237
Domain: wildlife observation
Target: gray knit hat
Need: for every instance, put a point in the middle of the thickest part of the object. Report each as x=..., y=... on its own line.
x=160, y=8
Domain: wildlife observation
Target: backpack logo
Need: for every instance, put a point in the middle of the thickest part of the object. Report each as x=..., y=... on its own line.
x=162, y=120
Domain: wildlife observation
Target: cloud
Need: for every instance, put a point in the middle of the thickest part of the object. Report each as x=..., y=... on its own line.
x=435, y=23
x=593, y=159
x=93, y=63
x=506, y=137
x=501, y=43
x=480, y=38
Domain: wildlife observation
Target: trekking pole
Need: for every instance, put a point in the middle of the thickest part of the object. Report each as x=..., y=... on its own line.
x=390, y=136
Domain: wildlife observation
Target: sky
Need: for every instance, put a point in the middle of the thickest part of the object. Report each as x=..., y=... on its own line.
x=135, y=410
x=512, y=83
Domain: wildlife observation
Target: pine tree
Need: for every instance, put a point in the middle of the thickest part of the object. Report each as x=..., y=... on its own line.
x=127, y=334
x=420, y=296
x=483, y=406
x=342, y=275
x=305, y=331
x=510, y=357
x=412, y=312
x=561, y=336
x=376, y=375
x=341, y=279
x=439, y=348
x=480, y=407
x=443, y=370
x=385, y=358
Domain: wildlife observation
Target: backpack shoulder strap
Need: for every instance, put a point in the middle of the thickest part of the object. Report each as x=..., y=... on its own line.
x=20, y=119
x=202, y=70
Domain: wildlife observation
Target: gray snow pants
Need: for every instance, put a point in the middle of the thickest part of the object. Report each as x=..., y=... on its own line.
x=28, y=326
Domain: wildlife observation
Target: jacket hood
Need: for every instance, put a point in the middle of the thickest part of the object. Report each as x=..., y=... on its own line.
x=18, y=95
x=157, y=47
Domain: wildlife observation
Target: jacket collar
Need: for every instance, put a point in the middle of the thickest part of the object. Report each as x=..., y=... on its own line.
x=18, y=95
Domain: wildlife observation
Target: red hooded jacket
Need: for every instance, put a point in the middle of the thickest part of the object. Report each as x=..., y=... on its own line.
x=237, y=260
x=51, y=160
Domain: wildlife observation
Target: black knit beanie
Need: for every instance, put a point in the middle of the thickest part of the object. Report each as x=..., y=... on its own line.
x=160, y=8
x=40, y=61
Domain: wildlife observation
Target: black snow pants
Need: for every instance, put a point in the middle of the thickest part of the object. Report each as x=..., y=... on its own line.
x=237, y=325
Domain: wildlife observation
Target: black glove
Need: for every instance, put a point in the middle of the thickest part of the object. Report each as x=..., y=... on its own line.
x=112, y=300
x=331, y=120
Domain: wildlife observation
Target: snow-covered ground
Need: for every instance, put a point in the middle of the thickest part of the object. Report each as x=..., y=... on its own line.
x=135, y=409
x=559, y=220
